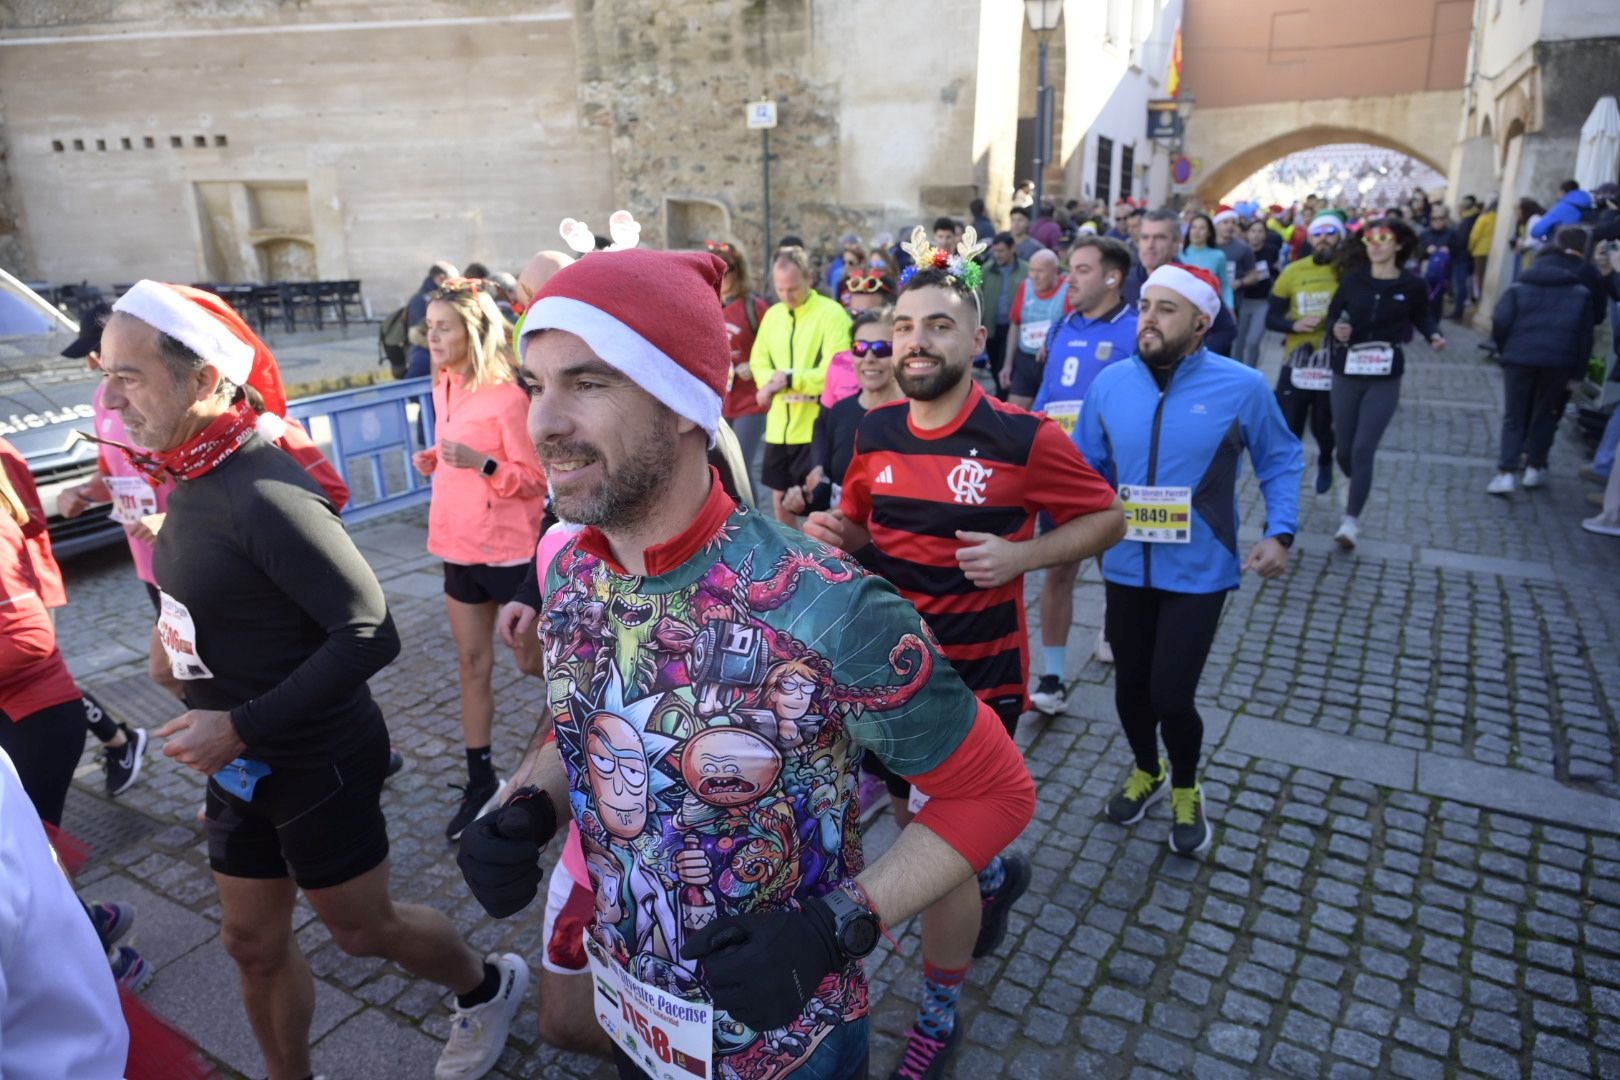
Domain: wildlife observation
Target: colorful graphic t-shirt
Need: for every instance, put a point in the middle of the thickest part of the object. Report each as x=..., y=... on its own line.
x=710, y=717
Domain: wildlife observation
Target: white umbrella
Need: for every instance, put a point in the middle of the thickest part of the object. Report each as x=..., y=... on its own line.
x=1598, y=160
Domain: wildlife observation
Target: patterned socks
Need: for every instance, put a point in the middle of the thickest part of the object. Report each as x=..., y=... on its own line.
x=991, y=877
x=941, y=987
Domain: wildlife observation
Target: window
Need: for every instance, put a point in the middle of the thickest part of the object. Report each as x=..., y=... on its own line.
x=78, y=144
x=219, y=140
x=126, y=144
x=199, y=141
x=1127, y=170
x=148, y=142
x=1104, y=186
x=58, y=146
x=101, y=144
x=176, y=142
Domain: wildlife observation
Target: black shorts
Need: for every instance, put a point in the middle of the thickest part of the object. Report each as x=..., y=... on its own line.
x=785, y=465
x=154, y=594
x=324, y=824
x=478, y=584
x=1026, y=375
x=1007, y=710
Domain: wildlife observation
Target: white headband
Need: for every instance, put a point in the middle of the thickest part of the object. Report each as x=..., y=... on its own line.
x=1320, y=225
x=1178, y=280
x=190, y=324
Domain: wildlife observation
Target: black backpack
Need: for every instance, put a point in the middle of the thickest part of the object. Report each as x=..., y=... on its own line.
x=393, y=340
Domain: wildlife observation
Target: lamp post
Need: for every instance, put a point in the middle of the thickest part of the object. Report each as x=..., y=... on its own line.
x=1043, y=18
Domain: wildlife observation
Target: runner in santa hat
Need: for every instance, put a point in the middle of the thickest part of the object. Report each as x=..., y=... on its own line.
x=1160, y=427
x=1241, y=270
x=273, y=621
x=713, y=678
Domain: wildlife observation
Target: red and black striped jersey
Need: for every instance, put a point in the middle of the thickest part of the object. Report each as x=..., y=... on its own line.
x=990, y=470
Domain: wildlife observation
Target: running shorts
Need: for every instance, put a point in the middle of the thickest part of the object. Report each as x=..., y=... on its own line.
x=785, y=465
x=478, y=584
x=569, y=907
x=1007, y=710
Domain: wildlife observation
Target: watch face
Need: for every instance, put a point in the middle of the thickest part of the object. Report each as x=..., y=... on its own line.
x=859, y=936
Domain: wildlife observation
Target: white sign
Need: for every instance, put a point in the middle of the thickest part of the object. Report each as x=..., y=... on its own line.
x=762, y=114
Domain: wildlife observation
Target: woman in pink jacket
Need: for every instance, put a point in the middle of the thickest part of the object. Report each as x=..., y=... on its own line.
x=488, y=496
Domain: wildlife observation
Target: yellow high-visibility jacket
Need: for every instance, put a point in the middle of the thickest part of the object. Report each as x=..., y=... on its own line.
x=801, y=341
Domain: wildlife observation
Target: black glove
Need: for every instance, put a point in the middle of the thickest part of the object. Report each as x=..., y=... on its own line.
x=763, y=968
x=500, y=852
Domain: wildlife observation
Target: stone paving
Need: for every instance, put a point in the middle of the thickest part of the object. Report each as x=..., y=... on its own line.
x=1412, y=775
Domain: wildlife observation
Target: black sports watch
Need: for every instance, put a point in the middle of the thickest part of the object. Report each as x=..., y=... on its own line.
x=489, y=466
x=854, y=924
x=1285, y=539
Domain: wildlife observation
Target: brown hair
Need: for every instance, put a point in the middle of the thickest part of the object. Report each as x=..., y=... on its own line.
x=10, y=501
x=1114, y=254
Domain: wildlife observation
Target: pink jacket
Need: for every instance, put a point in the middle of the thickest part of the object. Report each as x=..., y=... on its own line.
x=842, y=382
x=473, y=519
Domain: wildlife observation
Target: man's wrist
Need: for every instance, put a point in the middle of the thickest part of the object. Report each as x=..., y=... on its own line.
x=1286, y=539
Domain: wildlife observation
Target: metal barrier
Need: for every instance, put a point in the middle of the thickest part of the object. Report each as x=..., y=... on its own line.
x=369, y=436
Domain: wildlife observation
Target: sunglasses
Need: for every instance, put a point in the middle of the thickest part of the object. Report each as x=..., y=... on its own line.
x=867, y=283
x=1379, y=237
x=879, y=349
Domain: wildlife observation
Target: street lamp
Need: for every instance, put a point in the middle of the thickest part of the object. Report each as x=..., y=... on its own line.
x=1043, y=18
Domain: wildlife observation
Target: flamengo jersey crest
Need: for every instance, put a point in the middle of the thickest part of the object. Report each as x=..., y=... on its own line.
x=968, y=481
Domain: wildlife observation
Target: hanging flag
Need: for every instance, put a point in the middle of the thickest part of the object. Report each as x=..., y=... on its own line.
x=1172, y=79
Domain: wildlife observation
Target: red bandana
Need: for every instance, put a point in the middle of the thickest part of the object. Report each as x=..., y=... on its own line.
x=202, y=453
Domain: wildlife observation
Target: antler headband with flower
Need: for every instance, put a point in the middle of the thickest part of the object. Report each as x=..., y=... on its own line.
x=960, y=266
x=622, y=227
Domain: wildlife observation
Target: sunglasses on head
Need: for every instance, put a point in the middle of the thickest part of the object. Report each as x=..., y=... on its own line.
x=451, y=286
x=879, y=349
x=1379, y=237
x=718, y=245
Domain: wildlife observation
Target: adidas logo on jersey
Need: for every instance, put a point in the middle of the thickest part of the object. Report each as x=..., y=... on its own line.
x=886, y=476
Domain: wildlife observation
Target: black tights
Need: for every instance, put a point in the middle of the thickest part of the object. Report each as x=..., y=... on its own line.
x=45, y=747
x=1316, y=404
x=1161, y=640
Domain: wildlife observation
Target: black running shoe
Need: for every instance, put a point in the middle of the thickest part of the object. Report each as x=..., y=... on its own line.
x=998, y=905
x=1191, y=834
x=1141, y=791
x=112, y=921
x=1324, y=475
x=396, y=763
x=122, y=764
x=925, y=1058
x=476, y=801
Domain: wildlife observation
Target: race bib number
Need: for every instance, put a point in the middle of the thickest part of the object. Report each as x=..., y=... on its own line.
x=916, y=800
x=132, y=499
x=1313, y=303
x=1158, y=515
x=1311, y=378
x=178, y=633
x=1262, y=270
x=1066, y=413
x=1371, y=358
x=668, y=1037
x=1032, y=335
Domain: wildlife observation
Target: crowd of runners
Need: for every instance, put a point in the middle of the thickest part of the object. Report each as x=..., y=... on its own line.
x=769, y=558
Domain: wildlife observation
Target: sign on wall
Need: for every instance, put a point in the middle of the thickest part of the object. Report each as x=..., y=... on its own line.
x=762, y=114
x=1164, y=119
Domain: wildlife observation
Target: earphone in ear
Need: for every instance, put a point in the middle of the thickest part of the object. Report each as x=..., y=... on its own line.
x=1113, y=281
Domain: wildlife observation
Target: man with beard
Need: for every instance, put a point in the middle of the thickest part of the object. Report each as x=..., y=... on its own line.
x=626, y=354
x=941, y=498
x=1158, y=241
x=1299, y=304
x=274, y=622
x=1167, y=428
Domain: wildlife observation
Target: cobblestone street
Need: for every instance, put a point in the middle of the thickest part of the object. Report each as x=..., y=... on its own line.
x=1411, y=766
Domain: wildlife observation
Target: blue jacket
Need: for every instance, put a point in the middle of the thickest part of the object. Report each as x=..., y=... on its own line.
x=1566, y=211
x=1077, y=349
x=1192, y=435
x=1546, y=318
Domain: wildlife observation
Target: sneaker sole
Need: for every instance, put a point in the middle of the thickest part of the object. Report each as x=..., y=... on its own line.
x=994, y=929
x=140, y=737
x=1158, y=793
x=489, y=804
x=1046, y=707
x=1345, y=543
x=1204, y=845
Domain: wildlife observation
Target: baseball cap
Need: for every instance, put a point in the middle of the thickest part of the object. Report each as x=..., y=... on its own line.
x=91, y=322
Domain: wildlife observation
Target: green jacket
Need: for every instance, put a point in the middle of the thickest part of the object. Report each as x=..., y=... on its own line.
x=990, y=290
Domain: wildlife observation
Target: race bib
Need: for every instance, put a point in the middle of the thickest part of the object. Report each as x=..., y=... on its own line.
x=1066, y=413
x=669, y=1037
x=178, y=633
x=1158, y=515
x=1032, y=335
x=916, y=800
x=132, y=499
x=1263, y=269
x=1370, y=358
x=1313, y=303
x=1311, y=378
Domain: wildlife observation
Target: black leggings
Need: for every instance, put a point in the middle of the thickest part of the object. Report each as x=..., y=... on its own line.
x=1160, y=641
x=1297, y=404
x=45, y=748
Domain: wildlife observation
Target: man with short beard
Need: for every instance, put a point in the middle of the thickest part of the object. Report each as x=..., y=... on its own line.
x=1158, y=241
x=713, y=678
x=1167, y=428
x=274, y=622
x=941, y=498
x=1298, y=310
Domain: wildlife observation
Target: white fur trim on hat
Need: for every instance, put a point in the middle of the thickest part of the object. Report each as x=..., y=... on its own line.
x=157, y=305
x=1194, y=288
x=1226, y=215
x=624, y=348
x=1324, y=223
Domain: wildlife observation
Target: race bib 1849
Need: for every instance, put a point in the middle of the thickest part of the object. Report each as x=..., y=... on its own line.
x=178, y=633
x=670, y=1038
x=1157, y=515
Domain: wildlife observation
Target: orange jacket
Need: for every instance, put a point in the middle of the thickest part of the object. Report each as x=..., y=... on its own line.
x=473, y=519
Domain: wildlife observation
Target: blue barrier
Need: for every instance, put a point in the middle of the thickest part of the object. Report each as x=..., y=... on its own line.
x=369, y=436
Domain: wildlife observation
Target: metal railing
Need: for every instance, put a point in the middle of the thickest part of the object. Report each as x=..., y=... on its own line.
x=369, y=436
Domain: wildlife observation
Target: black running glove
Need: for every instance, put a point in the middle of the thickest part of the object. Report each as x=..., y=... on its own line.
x=500, y=852
x=763, y=968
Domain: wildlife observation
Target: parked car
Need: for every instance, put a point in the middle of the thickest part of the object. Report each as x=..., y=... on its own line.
x=44, y=398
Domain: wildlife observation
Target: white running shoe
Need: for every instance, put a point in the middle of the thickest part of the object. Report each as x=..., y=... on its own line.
x=1104, y=651
x=478, y=1034
x=1049, y=697
x=1346, y=536
x=1501, y=484
x=1534, y=478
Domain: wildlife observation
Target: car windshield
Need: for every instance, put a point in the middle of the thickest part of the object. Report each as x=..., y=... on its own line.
x=19, y=318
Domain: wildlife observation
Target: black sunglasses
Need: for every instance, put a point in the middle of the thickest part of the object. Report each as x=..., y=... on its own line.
x=878, y=349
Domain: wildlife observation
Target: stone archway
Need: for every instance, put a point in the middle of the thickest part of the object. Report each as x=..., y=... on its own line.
x=1224, y=177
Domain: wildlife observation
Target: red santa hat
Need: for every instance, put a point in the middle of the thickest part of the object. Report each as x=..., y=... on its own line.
x=654, y=315
x=1193, y=282
x=1225, y=213
x=212, y=329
